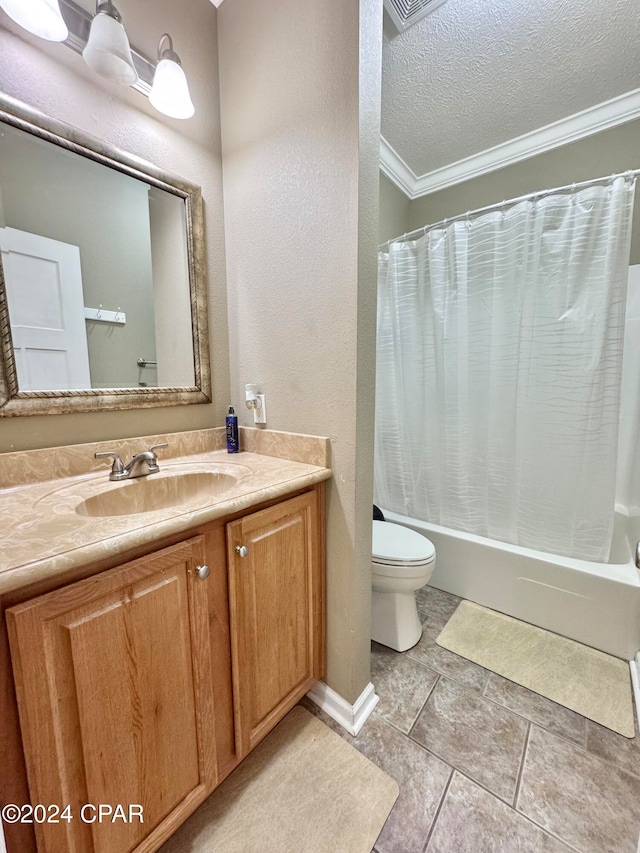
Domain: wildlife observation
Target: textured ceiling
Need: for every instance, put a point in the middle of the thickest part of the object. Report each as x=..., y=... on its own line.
x=476, y=73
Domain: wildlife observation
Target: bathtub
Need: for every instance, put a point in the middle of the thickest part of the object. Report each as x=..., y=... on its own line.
x=594, y=603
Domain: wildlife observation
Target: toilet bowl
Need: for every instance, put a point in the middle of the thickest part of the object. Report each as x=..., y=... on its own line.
x=402, y=561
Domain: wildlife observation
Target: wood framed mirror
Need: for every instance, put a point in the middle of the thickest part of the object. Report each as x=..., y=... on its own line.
x=103, y=301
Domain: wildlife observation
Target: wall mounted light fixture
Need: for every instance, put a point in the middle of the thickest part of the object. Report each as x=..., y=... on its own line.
x=107, y=50
x=103, y=42
x=40, y=17
x=170, y=92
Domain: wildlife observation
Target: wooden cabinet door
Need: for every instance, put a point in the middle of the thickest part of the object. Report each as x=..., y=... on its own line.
x=113, y=676
x=276, y=606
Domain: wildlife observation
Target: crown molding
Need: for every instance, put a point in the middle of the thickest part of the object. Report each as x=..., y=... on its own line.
x=393, y=166
x=601, y=117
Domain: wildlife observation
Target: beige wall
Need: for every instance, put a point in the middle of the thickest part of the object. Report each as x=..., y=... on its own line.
x=394, y=211
x=605, y=153
x=300, y=148
x=55, y=80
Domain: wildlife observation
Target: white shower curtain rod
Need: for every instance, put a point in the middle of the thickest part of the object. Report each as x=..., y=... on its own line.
x=631, y=173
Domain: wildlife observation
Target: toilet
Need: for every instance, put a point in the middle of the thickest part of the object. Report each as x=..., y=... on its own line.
x=402, y=561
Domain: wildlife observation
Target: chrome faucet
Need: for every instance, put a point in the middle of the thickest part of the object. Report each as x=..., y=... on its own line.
x=141, y=464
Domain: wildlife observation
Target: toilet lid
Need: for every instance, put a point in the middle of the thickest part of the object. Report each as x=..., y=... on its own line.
x=396, y=545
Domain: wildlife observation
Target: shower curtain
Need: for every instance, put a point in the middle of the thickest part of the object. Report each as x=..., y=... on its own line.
x=499, y=364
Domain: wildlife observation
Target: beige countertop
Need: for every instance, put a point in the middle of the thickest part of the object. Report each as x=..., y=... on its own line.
x=46, y=532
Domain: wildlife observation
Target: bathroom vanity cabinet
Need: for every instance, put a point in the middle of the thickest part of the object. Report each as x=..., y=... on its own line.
x=275, y=586
x=145, y=680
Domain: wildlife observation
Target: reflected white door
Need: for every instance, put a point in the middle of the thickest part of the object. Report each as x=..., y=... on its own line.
x=46, y=309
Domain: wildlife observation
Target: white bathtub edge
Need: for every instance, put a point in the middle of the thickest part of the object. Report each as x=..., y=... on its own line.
x=595, y=604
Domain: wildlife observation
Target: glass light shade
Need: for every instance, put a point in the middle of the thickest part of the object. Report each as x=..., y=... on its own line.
x=40, y=17
x=107, y=51
x=170, y=91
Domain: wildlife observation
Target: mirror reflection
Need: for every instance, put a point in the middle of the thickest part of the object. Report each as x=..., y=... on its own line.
x=96, y=271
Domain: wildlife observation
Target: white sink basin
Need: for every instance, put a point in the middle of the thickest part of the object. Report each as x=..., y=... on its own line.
x=190, y=490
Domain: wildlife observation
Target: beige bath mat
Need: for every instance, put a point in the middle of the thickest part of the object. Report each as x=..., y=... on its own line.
x=587, y=681
x=302, y=789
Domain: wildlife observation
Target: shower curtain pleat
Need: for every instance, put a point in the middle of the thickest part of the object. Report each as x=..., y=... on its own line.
x=498, y=371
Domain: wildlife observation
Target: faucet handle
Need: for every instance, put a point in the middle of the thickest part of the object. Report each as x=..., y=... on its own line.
x=156, y=446
x=117, y=467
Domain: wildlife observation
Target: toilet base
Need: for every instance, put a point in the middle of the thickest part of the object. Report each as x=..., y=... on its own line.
x=394, y=620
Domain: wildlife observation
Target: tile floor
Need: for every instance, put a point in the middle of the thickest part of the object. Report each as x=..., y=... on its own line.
x=486, y=765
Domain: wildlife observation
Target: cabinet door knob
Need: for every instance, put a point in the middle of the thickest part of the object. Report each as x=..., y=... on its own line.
x=242, y=550
x=203, y=572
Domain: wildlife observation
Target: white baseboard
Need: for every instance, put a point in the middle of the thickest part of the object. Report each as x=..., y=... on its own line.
x=634, y=666
x=351, y=717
